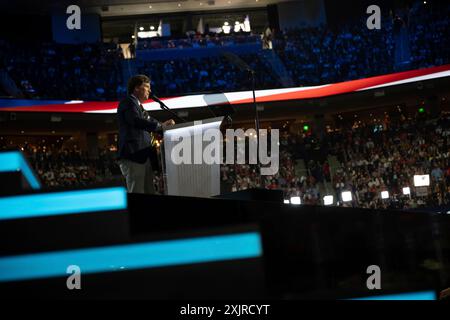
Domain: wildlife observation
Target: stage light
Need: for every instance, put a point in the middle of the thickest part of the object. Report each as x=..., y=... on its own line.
x=237, y=26
x=287, y=201
x=296, y=200
x=384, y=194
x=152, y=28
x=226, y=28
x=406, y=191
x=328, y=200
x=421, y=110
x=247, y=27
x=346, y=196
x=141, y=28
x=305, y=127
x=422, y=180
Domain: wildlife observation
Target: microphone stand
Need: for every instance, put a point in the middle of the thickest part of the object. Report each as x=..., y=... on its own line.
x=238, y=62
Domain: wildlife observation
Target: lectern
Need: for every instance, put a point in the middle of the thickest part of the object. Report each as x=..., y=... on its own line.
x=193, y=177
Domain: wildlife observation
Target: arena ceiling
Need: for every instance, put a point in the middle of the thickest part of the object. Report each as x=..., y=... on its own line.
x=111, y=8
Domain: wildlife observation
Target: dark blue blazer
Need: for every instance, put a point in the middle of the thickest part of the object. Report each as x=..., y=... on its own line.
x=135, y=126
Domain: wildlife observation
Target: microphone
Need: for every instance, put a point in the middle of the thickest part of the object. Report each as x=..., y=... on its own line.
x=164, y=107
x=156, y=99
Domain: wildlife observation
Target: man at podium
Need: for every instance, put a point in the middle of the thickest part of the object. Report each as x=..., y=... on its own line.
x=135, y=128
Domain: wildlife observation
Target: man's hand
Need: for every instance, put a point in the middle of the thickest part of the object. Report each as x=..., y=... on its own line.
x=168, y=123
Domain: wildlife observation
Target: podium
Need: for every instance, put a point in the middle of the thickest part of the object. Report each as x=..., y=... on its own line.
x=194, y=177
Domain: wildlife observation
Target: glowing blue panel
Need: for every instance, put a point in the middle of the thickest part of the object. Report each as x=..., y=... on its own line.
x=423, y=295
x=132, y=256
x=14, y=161
x=60, y=203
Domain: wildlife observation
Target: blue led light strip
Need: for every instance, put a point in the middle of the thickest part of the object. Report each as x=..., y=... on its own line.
x=60, y=203
x=132, y=256
x=423, y=295
x=14, y=161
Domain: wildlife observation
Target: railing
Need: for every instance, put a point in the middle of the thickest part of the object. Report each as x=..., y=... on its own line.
x=197, y=43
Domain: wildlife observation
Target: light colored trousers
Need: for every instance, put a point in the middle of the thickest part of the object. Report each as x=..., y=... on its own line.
x=139, y=177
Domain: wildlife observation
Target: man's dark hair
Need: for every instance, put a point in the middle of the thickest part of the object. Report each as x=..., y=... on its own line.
x=136, y=81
